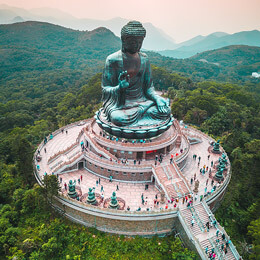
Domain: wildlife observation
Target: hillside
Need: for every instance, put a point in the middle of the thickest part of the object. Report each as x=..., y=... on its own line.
x=233, y=55
x=31, y=48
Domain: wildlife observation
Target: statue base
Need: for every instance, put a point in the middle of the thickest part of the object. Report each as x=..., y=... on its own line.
x=92, y=201
x=141, y=131
x=113, y=206
x=73, y=195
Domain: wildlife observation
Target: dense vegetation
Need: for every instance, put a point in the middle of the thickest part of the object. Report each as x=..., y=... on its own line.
x=35, y=101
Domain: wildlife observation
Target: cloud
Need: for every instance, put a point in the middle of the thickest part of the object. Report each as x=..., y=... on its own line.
x=256, y=75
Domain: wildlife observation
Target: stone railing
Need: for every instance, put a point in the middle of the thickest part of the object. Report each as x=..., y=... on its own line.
x=194, y=240
x=183, y=155
x=68, y=163
x=97, y=147
x=117, y=166
x=178, y=171
x=222, y=229
x=153, y=145
x=67, y=150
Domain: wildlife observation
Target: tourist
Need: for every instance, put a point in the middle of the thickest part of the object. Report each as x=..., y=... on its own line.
x=102, y=197
x=156, y=196
x=60, y=179
x=38, y=167
x=102, y=189
x=110, y=178
x=212, y=182
x=128, y=208
x=217, y=232
x=79, y=181
x=223, y=236
x=117, y=188
x=66, y=131
x=191, y=181
x=65, y=186
x=166, y=206
x=206, y=250
x=97, y=183
x=207, y=181
x=98, y=180
x=199, y=158
x=207, y=225
x=45, y=149
x=175, y=205
x=208, y=156
x=212, y=163
x=196, y=197
x=205, y=191
x=81, y=177
x=134, y=162
x=62, y=130
x=201, y=197
x=139, y=209
x=192, y=222
x=146, y=186
x=207, y=168
x=157, y=203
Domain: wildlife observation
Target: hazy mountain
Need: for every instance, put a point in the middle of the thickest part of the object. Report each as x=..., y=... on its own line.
x=156, y=39
x=214, y=41
x=29, y=48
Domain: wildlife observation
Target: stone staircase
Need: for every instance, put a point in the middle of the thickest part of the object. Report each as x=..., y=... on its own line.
x=201, y=215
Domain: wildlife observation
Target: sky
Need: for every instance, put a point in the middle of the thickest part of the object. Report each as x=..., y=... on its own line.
x=180, y=19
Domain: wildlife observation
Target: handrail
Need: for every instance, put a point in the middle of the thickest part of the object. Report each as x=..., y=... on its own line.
x=101, y=162
x=215, y=246
x=158, y=180
x=197, y=244
x=200, y=224
x=100, y=149
x=181, y=176
x=232, y=246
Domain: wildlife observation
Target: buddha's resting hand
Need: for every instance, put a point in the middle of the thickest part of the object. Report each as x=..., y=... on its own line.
x=124, y=80
x=162, y=105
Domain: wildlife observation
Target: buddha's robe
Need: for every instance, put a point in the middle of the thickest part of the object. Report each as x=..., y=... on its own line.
x=136, y=104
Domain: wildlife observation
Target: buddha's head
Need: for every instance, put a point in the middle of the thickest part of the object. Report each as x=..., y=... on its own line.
x=132, y=36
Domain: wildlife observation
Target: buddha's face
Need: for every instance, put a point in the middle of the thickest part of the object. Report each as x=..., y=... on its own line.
x=132, y=44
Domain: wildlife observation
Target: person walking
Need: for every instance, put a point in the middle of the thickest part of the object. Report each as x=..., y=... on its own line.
x=102, y=189
x=191, y=181
x=97, y=183
x=117, y=188
x=206, y=250
x=81, y=177
x=192, y=222
x=217, y=232
x=207, y=181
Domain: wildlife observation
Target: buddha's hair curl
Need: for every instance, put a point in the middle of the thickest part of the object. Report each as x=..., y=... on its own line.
x=133, y=28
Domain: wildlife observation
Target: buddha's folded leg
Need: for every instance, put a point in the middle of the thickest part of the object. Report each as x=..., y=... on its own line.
x=126, y=116
x=154, y=113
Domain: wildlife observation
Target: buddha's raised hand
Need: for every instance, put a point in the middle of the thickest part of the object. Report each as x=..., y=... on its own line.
x=124, y=79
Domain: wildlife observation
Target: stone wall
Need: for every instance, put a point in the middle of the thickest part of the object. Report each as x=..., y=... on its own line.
x=144, y=224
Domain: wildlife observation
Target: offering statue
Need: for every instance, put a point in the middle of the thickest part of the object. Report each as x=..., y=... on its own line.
x=113, y=202
x=72, y=190
x=91, y=197
x=216, y=146
x=128, y=93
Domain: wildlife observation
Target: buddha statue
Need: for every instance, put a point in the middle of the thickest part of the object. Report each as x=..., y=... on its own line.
x=128, y=93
